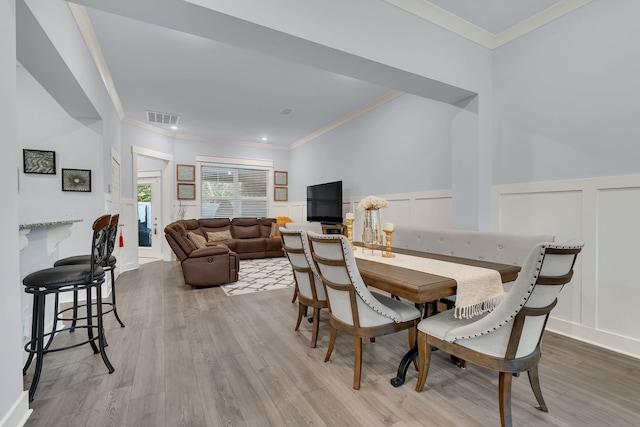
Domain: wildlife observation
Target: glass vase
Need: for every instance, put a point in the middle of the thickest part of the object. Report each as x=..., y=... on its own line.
x=372, y=231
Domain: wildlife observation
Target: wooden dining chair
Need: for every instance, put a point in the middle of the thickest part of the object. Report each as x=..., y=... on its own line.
x=353, y=309
x=310, y=288
x=507, y=339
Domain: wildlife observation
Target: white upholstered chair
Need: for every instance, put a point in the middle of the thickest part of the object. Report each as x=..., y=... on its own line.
x=316, y=227
x=310, y=288
x=353, y=308
x=508, y=338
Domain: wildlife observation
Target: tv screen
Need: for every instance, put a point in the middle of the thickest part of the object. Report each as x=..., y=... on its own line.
x=324, y=203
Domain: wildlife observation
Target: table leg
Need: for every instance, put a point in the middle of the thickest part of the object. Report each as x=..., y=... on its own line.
x=409, y=357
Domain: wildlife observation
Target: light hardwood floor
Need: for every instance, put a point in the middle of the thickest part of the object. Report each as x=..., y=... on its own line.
x=195, y=357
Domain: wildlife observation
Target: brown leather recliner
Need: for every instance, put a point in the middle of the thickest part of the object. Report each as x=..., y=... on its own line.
x=210, y=266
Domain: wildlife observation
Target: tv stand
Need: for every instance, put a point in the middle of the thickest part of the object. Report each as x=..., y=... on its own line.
x=334, y=229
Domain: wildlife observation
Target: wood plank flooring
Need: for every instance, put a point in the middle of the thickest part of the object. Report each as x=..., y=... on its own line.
x=196, y=357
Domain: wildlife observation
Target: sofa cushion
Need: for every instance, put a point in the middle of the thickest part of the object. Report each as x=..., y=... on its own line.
x=197, y=240
x=217, y=236
x=266, y=227
x=245, y=228
x=256, y=245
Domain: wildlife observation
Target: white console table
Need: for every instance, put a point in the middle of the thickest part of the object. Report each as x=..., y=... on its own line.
x=57, y=231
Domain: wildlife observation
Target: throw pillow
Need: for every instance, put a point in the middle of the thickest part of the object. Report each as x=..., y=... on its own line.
x=275, y=230
x=197, y=240
x=217, y=236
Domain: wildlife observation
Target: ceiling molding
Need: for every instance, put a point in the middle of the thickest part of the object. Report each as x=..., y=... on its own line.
x=352, y=115
x=538, y=20
x=148, y=126
x=88, y=34
x=447, y=20
x=455, y=24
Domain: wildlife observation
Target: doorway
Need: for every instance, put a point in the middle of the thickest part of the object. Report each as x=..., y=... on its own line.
x=149, y=209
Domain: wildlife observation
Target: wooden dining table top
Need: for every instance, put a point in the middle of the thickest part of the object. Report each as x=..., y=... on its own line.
x=419, y=286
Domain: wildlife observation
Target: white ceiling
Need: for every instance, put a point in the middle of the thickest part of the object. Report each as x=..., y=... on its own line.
x=234, y=95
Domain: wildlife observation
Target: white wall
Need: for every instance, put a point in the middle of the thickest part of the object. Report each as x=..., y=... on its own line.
x=401, y=146
x=13, y=402
x=566, y=97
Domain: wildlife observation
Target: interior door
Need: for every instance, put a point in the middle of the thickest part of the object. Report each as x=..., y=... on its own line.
x=149, y=217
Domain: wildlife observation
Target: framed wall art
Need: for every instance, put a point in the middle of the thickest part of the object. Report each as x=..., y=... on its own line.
x=186, y=191
x=280, y=194
x=185, y=173
x=280, y=178
x=76, y=180
x=39, y=161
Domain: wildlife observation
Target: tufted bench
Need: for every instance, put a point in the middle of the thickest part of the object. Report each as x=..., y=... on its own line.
x=503, y=248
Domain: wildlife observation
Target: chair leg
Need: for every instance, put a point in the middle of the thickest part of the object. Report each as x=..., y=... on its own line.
x=332, y=341
x=34, y=334
x=101, y=338
x=315, y=326
x=74, y=315
x=504, y=398
x=534, y=380
x=113, y=297
x=413, y=332
x=424, y=355
x=295, y=294
x=90, y=322
x=39, y=300
x=301, y=312
x=357, y=366
x=56, y=311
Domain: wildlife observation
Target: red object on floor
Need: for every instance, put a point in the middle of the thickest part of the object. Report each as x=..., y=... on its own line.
x=121, y=241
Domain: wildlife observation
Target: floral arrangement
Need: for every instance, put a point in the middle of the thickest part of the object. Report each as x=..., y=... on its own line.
x=372, y=202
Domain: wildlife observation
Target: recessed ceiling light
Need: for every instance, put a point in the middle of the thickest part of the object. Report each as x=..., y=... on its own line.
x=264, y=138
x=174, y=127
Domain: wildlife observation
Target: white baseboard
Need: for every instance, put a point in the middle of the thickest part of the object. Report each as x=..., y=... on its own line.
x=19, y=413
x=610, y=341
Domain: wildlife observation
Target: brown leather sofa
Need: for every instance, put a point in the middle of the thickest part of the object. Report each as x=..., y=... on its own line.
x=217, y=262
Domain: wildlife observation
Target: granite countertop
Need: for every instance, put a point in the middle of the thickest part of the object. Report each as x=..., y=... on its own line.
x=36, y=224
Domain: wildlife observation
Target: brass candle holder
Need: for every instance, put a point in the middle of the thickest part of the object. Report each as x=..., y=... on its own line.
x=387, y=253
x=350, y=232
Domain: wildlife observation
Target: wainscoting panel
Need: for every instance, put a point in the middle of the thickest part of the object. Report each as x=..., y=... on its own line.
x=432, y=212
x=600, y=304
x=618, y=282
x=553, y=212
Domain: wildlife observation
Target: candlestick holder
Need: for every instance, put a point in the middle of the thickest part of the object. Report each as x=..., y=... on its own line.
x=388, y=253
x=350, y=232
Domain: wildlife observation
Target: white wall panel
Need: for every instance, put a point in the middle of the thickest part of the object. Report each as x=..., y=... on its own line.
x=600, y=304
x=618, y=285
x=433, y=212
x=551, y=212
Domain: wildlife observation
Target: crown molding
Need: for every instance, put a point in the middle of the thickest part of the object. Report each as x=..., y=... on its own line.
x=344, y=119
x=230, y=141
x=538, y=20
x=455, y=24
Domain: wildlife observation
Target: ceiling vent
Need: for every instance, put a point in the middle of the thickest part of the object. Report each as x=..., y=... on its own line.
x=286, y=111
x=163, y=118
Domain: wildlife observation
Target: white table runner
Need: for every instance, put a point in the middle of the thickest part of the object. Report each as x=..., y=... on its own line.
x=479, y=289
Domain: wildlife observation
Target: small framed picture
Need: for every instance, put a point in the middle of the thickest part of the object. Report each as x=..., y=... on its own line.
x=186, y=191
x=185, y=173
x=39, y=161
x=280, y=178
x=280, y=194
x=76, y=180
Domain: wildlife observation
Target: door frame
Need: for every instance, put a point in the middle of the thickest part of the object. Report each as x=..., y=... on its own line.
x=166, y=182
x=144, y=178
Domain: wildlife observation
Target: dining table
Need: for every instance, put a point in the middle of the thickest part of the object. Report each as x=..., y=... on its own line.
x=419, y=287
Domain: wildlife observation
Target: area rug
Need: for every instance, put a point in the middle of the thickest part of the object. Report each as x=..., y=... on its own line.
x=261, y=275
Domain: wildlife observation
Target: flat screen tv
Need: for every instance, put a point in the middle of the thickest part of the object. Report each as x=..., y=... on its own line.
x=324, y=203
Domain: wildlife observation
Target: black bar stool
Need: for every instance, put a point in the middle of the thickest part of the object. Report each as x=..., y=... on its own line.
x=68, y=278
x=108, y=265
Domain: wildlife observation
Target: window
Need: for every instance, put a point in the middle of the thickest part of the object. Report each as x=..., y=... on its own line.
x=230, y=191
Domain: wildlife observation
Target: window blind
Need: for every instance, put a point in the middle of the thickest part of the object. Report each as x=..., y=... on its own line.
x=230, y=191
